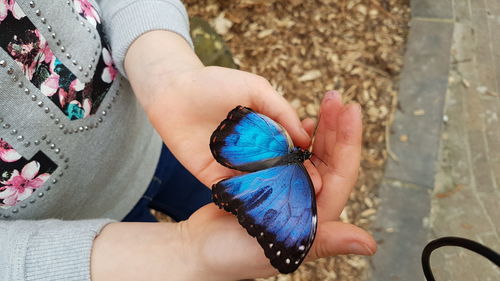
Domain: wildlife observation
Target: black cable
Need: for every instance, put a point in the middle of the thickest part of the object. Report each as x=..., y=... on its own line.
x=475, y=247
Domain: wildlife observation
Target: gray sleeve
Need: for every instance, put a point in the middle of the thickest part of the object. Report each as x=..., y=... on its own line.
x=125, y=20
x=47, y=249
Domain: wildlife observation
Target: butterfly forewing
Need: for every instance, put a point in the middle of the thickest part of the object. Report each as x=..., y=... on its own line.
x=248, y=141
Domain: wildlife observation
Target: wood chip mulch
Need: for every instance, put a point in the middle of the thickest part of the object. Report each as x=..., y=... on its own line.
x=307, y=47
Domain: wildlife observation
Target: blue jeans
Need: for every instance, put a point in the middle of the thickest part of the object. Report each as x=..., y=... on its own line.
x=173, y=191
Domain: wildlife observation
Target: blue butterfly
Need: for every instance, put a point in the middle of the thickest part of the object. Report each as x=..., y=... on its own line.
x=275, y=203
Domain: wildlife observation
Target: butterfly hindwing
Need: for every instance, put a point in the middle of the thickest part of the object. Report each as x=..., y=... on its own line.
x=249, y=141
x=277, y=206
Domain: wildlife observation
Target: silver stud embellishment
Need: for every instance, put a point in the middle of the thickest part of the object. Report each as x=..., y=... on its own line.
x=32, y=4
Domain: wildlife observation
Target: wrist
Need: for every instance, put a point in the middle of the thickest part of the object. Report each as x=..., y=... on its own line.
x=142, y=251
x=157, y=59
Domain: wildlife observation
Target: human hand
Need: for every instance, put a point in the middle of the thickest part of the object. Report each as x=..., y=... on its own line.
x=211, y=245
x=223, y=250
x=186, y=101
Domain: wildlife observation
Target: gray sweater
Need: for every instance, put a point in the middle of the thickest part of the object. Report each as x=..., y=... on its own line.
x=76, y=149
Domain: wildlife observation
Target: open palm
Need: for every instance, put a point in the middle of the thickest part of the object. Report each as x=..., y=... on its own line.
x=225, y=245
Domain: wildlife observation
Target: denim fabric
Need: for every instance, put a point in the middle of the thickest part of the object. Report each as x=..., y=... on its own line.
x=173, y=191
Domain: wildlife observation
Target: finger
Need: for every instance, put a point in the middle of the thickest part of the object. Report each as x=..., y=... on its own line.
x=343, y=164
x=314, y=175
x=330, y=107
x=268, y=102
x=308, y=125
x=338, y=238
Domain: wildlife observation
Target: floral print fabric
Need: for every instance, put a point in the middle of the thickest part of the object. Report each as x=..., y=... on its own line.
x=20, y=177
x=28, y=47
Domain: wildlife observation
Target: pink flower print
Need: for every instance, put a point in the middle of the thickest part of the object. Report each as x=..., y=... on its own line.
x=66, y=97
x=84, y=8
x=77, y=85
x=21, y=186
x=45, y=52
x=4, y=9
x=109, y=72
x=7, y=152
x=16, y=10
x=13, y=7
x=50, y=86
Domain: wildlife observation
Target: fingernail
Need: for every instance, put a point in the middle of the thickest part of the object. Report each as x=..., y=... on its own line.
x=359, y=249
x=330, y=95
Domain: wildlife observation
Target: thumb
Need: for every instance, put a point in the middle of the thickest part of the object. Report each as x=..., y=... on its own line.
x=268, y=102
x=338, y=238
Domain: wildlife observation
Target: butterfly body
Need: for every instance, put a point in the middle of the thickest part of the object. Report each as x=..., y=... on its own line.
x=275, y=203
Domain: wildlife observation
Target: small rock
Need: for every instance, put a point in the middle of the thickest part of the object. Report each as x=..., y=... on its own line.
x=368, y=202
x=343, y=216
x=373, y=112
x=295, y=103
x=362, y=9
x=311, y=109
x=357, y=262
x=419, y=112
x=373, y=13
x=310, y=75
x=265, y=33
x=482, y=89
x=368, y=212
x=221, y=24
x=465, y=83
x=445, y=118
x=403, y=138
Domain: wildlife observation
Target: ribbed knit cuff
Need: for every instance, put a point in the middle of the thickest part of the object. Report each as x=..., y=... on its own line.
x=60, y=250
x=139, y=17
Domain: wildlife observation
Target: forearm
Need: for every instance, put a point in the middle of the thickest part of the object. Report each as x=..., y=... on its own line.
x=142, y=251
x=47, y=249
